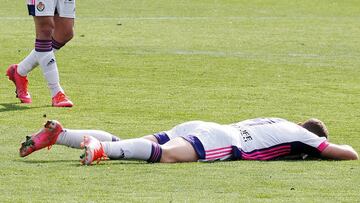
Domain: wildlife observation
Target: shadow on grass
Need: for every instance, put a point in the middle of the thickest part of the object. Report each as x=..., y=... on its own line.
x=58, y=161
x=18, y=107
x=44, y=161
x=106, y=163
x=124, y=162
x=77, y=163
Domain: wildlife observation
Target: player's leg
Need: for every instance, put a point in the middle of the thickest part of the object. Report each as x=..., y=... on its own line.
x=18, y=72
x=44, y=52
x=73, y=138
x=35, y=8
x=63, y=31
x=54, y=133
x=166, y=147
x=135, y=149
x=47, y=60
x=27, y=64
x=176, y=150
x=43, y=55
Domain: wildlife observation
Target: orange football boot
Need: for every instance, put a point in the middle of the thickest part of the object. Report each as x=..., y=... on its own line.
x=21, y=84
x=61, y=100
x=46, y=137
x=93, y=151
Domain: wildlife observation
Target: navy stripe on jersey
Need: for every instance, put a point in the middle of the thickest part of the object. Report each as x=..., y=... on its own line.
x=280, y=151
x=198, y=146
x=236, y=153
x=299, y=147
x=162, y=137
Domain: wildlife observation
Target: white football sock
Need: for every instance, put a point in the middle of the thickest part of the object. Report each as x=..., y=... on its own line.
x=138, y=148
x=73, y=138
x=50, y=70
x=28, y=64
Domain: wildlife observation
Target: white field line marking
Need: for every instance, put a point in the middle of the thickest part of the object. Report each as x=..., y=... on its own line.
x=225, y=54
x=290, y=58
x=189, y=18
x=238, y=54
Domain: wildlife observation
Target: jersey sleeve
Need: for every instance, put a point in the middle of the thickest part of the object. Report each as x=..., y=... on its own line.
x=323, y=146
x=310, y=144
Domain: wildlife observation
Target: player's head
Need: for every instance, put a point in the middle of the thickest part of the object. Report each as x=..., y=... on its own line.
x=316, y=126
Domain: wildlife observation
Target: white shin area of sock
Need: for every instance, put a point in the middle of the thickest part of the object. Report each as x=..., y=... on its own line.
x=139, y=149
x=50, y=71
x=28, y=64
x=73, y=138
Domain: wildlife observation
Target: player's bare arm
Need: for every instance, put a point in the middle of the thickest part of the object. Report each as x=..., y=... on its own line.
x=340, y=152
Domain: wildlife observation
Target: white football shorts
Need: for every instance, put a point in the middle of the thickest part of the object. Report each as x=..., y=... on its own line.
x=64, y=8
x=211, y=141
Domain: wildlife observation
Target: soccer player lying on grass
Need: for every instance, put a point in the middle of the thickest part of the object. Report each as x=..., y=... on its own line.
x=254, y=139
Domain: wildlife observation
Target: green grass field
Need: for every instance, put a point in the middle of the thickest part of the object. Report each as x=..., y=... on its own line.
x=141, y=66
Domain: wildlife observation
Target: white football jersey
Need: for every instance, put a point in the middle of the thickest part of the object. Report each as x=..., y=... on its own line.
x=253, y=139
x=269, y=138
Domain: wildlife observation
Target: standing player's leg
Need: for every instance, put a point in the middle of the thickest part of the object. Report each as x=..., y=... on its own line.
x=62, y=33
x=18, y=72
x=44, y=52
x=54, y=133
x=46, y=58
x=43, y=55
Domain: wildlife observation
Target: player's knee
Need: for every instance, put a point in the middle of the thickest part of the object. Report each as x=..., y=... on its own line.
x=62, y=35
x=68, y=35
x=44, y=30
